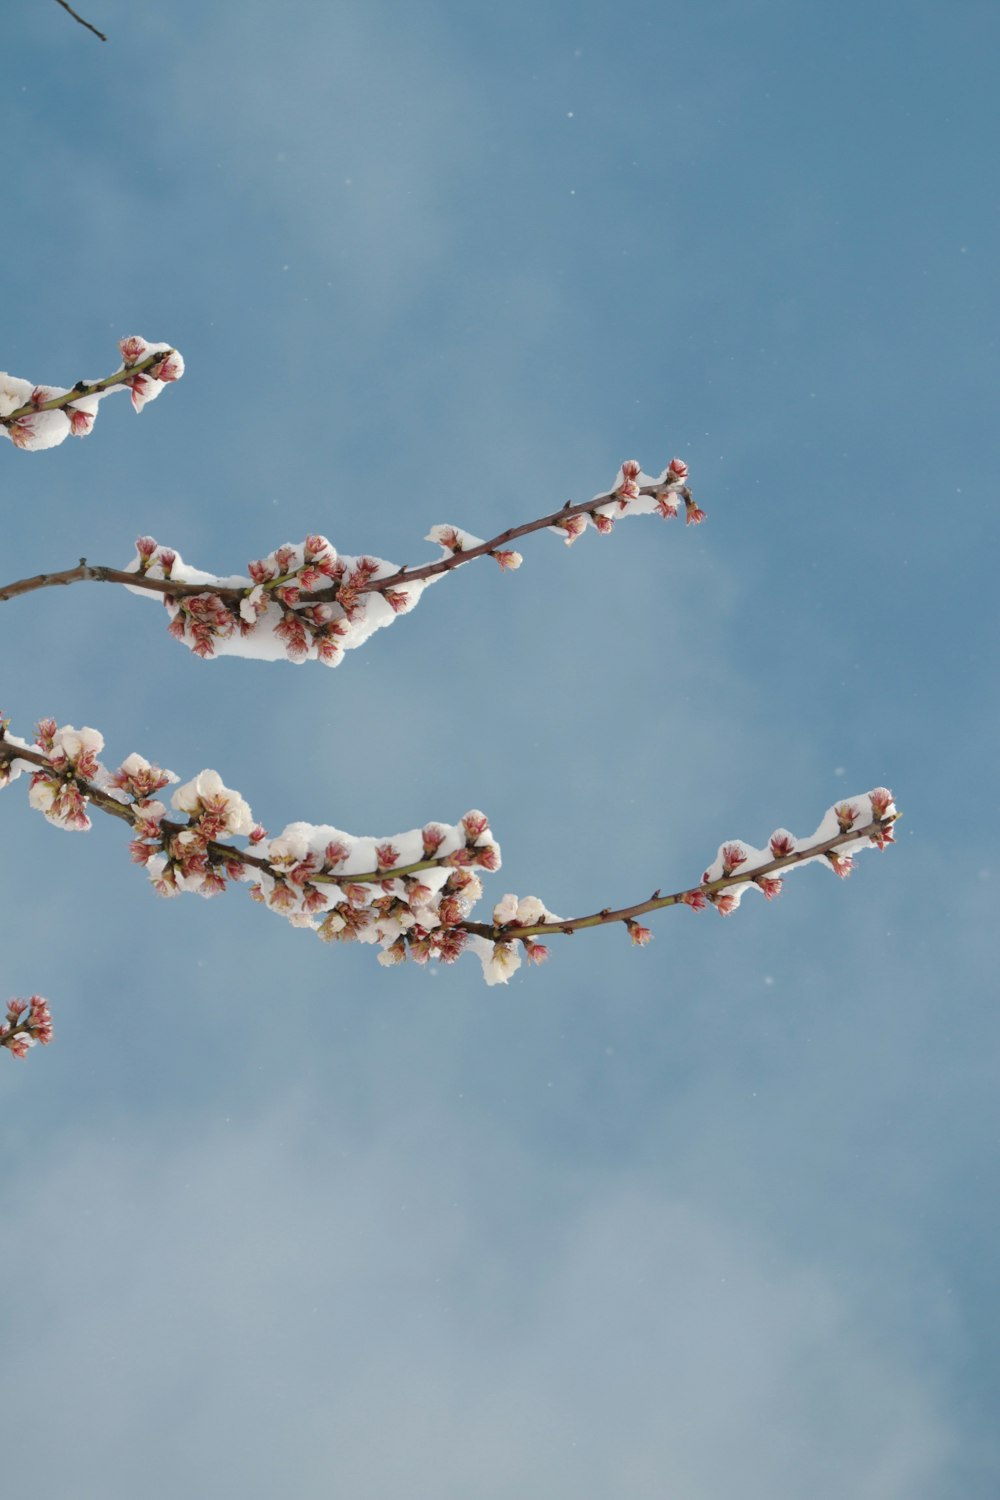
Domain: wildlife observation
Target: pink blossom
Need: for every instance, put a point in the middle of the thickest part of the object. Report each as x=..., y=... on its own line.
x=80, y=422
x=508, y=561
x=841, y=864
x=770, y=885
x=881, y=800
x=725, y=903
x=846, y=816
x=666, y=505
x=627, y=487
x=573, y=526
x=133, y=349
x=170, y=367
x=640, y=935
x=448, y=942
x=693, y=515
x=677, y=469
x=782, y=844
x=21, y=432
x=398, y=600
x=282, y=897
x=136, y=776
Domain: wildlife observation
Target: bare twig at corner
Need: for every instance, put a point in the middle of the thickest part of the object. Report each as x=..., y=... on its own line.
x=81, y=20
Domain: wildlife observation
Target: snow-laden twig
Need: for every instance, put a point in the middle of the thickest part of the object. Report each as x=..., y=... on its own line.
x=411, y=894
x=36, y=417
x=305, y=602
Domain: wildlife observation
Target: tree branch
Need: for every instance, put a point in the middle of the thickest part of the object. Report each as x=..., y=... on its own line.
x=399, y=913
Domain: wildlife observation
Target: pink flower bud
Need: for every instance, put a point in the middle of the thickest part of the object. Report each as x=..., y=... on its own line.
x=573, y=526
x=627, y=487
x=80, y=422
x=677, y=469
x=881, y=800
x=133, y=349
x=846, y=815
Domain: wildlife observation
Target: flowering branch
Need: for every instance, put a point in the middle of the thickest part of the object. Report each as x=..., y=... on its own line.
x=304, y=602
x=35, y=417
x=82, y=22
x=411, y=894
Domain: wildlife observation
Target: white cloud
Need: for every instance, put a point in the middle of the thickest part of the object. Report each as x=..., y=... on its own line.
x=280, y=1309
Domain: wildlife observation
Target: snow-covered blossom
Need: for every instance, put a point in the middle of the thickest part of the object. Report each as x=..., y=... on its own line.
x=214, y=807
x=27, y=1023
x=72, y=755
x=302, y=602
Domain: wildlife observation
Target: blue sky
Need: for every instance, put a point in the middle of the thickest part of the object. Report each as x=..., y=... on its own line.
x=713, y=1219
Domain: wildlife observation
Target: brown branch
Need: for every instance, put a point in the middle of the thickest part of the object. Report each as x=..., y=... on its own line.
x=217, y=851
x=81, y=20
x=568, y=925
x=563, y=927
x=232, y=594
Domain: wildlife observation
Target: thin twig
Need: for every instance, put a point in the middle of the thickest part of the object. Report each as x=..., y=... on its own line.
x=87, y=387
x=81, y=20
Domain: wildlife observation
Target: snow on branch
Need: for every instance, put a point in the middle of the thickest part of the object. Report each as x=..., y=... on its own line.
x=38, y=416
x=304, y=602
x=411, y=894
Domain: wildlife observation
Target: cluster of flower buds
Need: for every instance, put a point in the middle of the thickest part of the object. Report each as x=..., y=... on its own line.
x=408, y=894
x=38, y=416
x=763, y=869
x=636, y=494
x=72, y=754
x=302, y=602
x=27, y=1023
